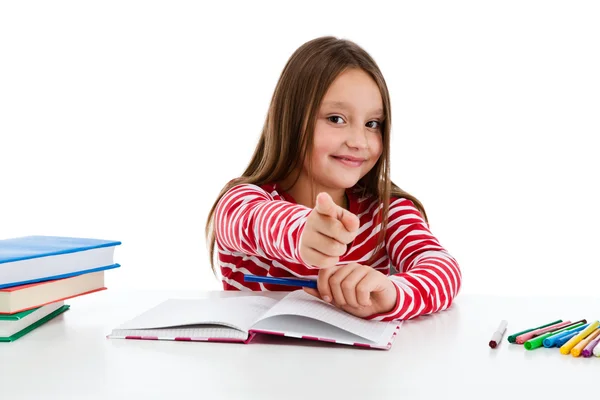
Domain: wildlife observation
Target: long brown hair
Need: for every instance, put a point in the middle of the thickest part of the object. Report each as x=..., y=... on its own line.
x=287, y=134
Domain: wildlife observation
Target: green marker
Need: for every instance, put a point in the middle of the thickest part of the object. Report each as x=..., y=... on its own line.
x=534, y=343
x=513, y=338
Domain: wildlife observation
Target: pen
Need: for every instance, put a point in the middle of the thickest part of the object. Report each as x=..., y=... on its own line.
x=281, y=281
x=497, y=336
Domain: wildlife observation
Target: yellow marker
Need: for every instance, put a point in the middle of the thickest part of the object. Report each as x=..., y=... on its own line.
x=576, y=351
x=566, y=348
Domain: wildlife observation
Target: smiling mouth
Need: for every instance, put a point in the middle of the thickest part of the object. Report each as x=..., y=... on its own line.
x=350, y=162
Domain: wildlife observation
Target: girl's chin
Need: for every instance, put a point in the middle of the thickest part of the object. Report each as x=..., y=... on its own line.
x=334, y=178
x=343, y=184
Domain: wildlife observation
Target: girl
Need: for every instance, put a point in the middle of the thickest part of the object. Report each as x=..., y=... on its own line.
x=316, y=200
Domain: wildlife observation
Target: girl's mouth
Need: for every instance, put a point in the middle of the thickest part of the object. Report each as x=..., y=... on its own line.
x=349, y=161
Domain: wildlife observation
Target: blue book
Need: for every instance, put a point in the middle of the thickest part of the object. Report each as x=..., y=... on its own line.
x=33, y=259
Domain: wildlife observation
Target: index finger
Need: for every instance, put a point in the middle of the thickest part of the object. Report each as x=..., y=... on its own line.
x=334, y=229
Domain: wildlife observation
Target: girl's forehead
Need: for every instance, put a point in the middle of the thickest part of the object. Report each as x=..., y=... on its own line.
x=354, y=90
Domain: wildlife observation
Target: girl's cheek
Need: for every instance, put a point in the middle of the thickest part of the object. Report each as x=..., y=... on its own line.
x=377, y=145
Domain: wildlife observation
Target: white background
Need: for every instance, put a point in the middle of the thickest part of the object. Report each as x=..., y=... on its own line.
x=123, y=119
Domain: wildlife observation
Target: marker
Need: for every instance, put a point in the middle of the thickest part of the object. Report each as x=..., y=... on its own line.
x=536, y=342
x=513, y=338
x=281, y=281
x=564, y=339
x=567, y=347
x=551, y=341
x=596, y=351
x=589, y=349
x=578, y=349
x=497, y=336
x=526, y=336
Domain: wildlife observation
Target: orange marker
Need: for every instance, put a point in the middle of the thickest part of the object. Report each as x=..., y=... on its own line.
x=576, y=351
x=567, y=347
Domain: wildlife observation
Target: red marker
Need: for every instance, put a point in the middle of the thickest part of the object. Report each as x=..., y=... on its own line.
x=497, y=336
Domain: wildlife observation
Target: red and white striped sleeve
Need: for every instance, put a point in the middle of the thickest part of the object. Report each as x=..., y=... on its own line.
x=428, y=277
x=249, y=220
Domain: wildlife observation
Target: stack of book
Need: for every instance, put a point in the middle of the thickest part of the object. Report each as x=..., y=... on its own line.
x=38, y=273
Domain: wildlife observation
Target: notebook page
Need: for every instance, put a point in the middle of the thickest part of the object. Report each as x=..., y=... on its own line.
x=303, y=304
x=235, y=312
x=195, y=332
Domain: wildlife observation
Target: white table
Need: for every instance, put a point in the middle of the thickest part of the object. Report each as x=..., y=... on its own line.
x=441, y=356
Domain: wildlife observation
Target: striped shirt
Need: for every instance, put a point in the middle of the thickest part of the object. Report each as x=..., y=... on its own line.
x=258, y=230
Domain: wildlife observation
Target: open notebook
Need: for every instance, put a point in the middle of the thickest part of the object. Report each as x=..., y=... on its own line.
x=240, y=319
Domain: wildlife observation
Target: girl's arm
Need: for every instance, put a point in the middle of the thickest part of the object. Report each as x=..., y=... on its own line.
x=428, y=277
x=248, y=220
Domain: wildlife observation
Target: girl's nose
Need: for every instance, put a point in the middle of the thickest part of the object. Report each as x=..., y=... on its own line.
x=357, y=138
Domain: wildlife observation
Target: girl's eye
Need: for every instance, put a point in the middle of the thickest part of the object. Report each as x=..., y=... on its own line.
x=332, y=118
x=374, y=127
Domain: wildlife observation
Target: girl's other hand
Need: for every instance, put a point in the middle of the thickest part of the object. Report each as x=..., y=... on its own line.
x=357, y=289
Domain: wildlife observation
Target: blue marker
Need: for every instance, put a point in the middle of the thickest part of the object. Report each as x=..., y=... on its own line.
x=564, y=339
x=281, y=281
x=550, y=341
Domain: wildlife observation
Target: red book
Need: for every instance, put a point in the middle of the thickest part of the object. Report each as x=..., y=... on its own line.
x=25, y=297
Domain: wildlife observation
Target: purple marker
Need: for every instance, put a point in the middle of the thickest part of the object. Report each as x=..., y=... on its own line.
x=589, y=349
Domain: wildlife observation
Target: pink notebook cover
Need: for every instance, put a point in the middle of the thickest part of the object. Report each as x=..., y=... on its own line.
x=356, y=344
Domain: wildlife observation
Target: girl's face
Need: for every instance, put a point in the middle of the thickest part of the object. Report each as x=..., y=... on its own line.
x=347, y=138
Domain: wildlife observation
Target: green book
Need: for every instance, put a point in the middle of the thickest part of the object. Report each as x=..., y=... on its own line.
x=32, y=326
x=16, y=316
